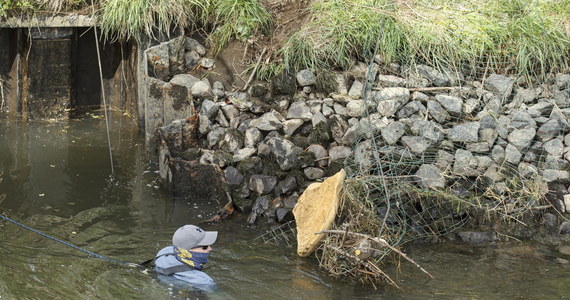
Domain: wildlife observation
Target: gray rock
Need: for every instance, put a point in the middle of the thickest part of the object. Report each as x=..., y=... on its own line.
x=363, y=155
x=341, y=85
x=259, y=208
x=416, y=144
x=523, y=96
x=437, y=112
x=521, y=138
x=540, y=108
x=186, y=80
x=434, y=76
x=481, y=147
x=466, y=132
x=551, y=175
x=471, y=105
x=554, y=147
x=520, y=120
x=244, y=153
x=221, y=119
x=419, y=96
x=527, y=170
x=500, y=84
x=215, y=136
x=207, y=63
x=230, y=111
x=283, y=215
x=268, y=122
x=549, y=130
x=444, y=160
x=488, y=122
x=241, y=101
x=233, y=176
x=191, y=59
x=306, y=77
x=204, y=124
x=465, y=164
x=321, y=154
x=191, y=44
x=287, y=185
x=388, y=108
x=339, y=153
x=313, y=173
x=488, y=136
x=262, y=184
x=428, y=129
x=411, y=108
x=290, y=126
x=327, y=111
x=231, y=142
x=512, y=154
x=430, y=177
x=209, y=158
x=453, y=105
x=286, y=153
x=393, y=93
x=202, y=89
x=263, y=149
x=218, y=89
x=299, y=110
x=252, y=137
x=393, y=132
x=483, y=162
x=339, y=109
x=356, y=90
x=390, y=81
x=356, y=108
x=498, y=154
x=563, y=81
x=209, y=108
x=338, y=127
x=317, y=118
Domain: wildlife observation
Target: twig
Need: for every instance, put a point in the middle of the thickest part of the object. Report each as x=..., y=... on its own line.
x=380, y=241
x=2, y=94
x=254, y=69
x=426, y=89
x=372, y=267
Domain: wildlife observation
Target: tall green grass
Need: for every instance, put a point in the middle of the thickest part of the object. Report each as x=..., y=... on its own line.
x=124, y=20
x=525, y=37
x=238, y=19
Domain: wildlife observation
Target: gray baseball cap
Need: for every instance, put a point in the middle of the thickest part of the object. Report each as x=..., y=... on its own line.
x=190, y=236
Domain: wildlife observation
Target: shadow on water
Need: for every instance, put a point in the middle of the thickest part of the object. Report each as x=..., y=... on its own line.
x=56, y=178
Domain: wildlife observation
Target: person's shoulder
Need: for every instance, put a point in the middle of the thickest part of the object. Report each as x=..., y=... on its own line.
x=165, y=250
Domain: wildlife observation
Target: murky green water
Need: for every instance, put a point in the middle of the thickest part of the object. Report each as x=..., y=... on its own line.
x=57, y=179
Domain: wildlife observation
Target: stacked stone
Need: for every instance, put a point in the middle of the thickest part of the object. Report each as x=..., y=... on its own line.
x=271, y=143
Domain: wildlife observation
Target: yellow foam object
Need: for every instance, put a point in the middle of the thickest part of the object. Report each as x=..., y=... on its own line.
x=315, y=211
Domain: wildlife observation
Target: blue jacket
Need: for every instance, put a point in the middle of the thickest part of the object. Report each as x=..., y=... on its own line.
x=191, y=278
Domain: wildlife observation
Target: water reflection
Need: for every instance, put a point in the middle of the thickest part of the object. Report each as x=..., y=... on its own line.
x=56, y=178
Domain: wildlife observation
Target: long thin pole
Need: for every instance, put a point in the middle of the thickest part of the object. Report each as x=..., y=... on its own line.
x=103, y=93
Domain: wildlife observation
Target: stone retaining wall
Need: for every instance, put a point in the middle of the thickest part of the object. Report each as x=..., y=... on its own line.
x=270, y=142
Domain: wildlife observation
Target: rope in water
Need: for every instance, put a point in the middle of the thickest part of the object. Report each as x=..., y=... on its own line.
x=66, y=243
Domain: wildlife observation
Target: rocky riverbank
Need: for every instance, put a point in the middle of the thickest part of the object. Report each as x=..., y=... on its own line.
x=260, y=148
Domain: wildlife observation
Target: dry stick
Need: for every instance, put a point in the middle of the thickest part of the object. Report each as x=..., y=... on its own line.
x=380, y=241
x=367, y=264
x=254, y=69
x=427, y=89
x=2, y=93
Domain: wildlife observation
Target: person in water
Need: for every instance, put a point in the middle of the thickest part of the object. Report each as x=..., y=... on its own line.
x=182, y=262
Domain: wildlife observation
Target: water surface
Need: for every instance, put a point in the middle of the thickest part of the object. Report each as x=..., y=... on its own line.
x=56, y=177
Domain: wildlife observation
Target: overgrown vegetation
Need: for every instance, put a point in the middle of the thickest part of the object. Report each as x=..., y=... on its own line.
x=523, y=37
x=526, y=37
